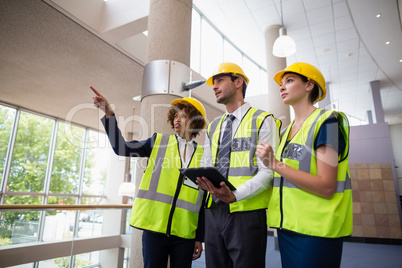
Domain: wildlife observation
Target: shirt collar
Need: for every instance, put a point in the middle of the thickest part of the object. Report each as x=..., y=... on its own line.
x=181, y=140
x=241, y=111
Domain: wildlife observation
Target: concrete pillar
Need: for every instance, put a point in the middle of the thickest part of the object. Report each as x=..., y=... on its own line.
x=169, y=30
x=376, y=102
x=275, y=64
x=169, y=38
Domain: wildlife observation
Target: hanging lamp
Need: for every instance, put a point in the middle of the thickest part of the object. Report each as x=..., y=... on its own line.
x=284, y=45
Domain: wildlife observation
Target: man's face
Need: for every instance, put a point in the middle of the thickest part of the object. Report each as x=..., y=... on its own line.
x=224, y=88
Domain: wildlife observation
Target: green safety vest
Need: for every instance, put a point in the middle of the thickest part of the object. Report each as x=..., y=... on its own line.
x=243, y=161
x=294, y=209
x=164, y=202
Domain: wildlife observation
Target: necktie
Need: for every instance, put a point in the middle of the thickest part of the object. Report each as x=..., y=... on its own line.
x=224, y=150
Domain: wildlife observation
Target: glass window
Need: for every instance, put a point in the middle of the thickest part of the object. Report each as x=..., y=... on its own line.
x=68, y=178
x=126, y=262
x=62, y=200
x=67, y=160
x=90, y=223
x=214, y=49
x=253, y=73
x=30, y=155
x=128, y=227
x=58, y=262
x=264, y=82
x=231, y=54
x=88, y=259
x=18, y=199
x=92, y=200
x=97, y=156
x=58, y=225
x=7, y=117
x=19, y=227
x=211, y=49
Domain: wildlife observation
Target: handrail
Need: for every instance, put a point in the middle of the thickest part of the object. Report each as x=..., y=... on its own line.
x=62, y=207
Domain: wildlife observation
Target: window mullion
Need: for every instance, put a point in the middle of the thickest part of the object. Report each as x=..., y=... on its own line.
x=9, y=155
x=82, y=166
x=47, y=180
x=50, y=162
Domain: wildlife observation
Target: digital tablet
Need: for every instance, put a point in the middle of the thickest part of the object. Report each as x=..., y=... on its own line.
x=211, y=173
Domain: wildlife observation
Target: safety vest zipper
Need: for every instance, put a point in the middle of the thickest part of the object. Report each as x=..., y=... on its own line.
x=280, y=202
x=281, y=197
x=176, y=196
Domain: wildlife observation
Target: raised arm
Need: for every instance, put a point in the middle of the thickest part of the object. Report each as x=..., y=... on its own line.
x=120, y=146
x=102, y=103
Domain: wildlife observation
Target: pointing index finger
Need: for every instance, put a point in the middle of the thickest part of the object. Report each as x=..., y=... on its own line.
x=95, y=91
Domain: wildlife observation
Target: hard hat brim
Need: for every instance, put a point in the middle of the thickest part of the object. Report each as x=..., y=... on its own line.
x=197, y=106
x=278, y=79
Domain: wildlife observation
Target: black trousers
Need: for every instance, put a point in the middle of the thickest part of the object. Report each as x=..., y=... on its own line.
x=156, y=248
x=236, y=239
x=303, y=251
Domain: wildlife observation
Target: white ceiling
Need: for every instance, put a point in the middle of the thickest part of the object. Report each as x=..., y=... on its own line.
x=52, y=50
x=344, y=39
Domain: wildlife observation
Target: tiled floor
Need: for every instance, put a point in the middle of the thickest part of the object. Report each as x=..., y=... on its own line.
x=355, y=255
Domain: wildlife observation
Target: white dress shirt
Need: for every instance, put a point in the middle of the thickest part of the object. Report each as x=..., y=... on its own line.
x=263, y=179
x=189, y=146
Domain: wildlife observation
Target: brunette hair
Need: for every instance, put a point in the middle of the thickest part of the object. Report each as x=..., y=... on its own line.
x=233, y=78
x=197, y=121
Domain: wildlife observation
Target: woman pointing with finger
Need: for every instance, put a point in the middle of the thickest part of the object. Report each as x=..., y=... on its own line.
x=168, y=207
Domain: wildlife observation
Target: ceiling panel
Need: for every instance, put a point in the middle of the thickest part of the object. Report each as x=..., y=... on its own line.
x=341, y=37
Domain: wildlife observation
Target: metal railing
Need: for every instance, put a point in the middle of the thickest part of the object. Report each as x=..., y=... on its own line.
x=61, y=207
x=37, y=251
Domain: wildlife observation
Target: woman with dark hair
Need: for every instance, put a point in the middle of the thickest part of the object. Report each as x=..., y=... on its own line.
x=311, y=199
x=168, y=207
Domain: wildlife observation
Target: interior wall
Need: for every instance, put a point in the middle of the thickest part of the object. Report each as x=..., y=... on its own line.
x=396, y=134
x=376, y=206
x=371, y=144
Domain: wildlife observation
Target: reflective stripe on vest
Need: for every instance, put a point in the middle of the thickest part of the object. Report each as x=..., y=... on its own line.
x=341, y=186
x=295, y=209
x=152, y=193
x=305, y=159
x=163, y=203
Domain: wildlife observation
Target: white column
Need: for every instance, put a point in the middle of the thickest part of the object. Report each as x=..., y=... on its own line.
x=376, y=102
x=275, y=64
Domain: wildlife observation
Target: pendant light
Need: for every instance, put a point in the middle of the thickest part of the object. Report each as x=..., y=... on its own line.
x=284, y=45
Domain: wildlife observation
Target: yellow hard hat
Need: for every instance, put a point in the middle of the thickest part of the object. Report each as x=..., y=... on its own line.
x=308, y=71
x=227, y=68
x=193, y=102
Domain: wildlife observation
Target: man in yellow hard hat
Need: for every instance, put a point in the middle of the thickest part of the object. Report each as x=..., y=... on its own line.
x=236, y=229
x=168, y=207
